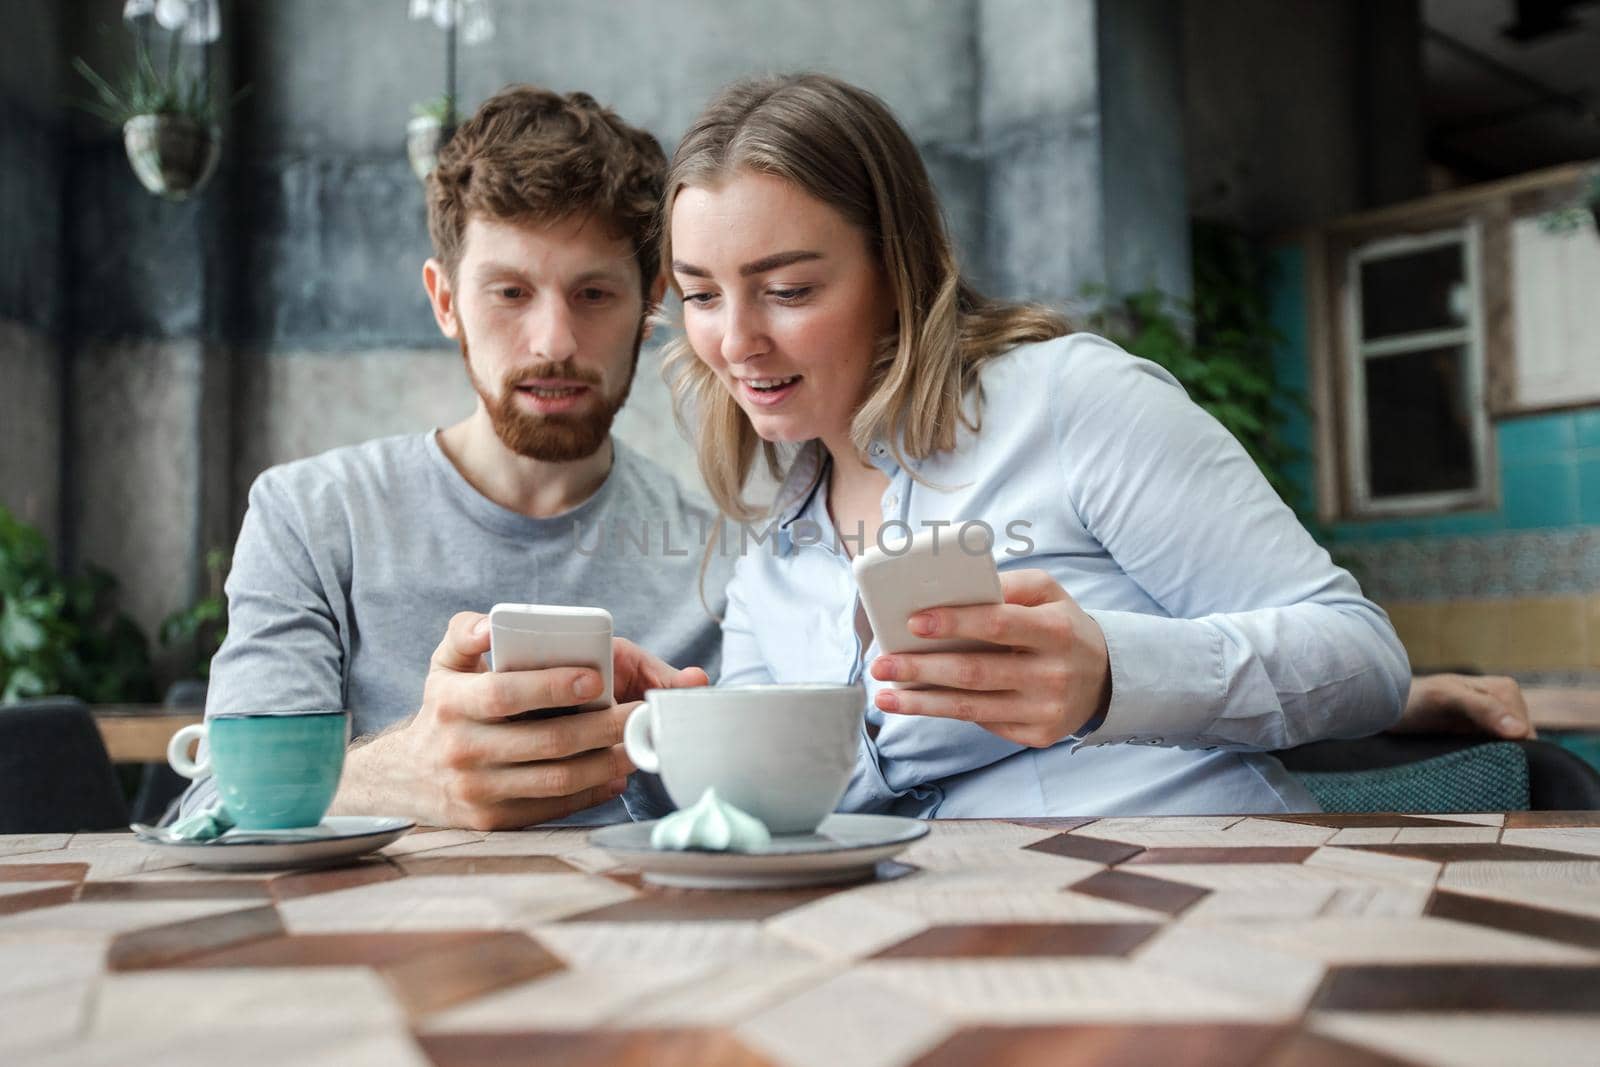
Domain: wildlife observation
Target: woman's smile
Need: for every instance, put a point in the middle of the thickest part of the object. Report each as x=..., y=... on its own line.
x=768, y=392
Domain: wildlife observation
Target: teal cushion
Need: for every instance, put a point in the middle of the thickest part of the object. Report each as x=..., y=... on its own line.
x=1491, y=777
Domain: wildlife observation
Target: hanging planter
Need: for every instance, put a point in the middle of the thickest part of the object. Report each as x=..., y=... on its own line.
x=424, y=137
x=173, y=156
x=168, y=117
x=435, y=122
x=428, y=131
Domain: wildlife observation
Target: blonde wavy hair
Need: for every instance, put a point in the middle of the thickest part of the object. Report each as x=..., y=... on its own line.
x=842, y=145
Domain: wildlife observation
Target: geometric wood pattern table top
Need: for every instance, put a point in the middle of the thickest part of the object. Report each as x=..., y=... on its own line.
x=1307, y=939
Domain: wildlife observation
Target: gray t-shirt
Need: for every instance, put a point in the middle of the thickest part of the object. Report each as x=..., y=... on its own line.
x=350, y=564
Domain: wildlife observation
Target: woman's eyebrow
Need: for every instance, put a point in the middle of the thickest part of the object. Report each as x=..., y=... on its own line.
x=759, y=266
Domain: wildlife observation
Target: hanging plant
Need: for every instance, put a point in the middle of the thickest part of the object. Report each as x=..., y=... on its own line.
x=1570, y=219
x=433, y=123
x=168, y=115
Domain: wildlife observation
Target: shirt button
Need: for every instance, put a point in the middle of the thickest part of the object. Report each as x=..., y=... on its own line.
x=891, y=501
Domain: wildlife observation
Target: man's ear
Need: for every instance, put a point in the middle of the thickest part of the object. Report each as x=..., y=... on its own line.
x=442, y=297
x=652, y=306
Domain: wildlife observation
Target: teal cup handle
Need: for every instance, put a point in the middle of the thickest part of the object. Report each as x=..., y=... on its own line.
x=273, y=771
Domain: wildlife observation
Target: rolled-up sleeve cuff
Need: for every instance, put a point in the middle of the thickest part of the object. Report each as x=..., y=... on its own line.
x=1168, y=680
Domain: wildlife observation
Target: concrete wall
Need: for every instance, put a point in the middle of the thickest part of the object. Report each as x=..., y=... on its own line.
x=1081, y=119
x=281, y=313
x=31, y=355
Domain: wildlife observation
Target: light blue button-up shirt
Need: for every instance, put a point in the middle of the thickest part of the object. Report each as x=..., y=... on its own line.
x=1230, y=631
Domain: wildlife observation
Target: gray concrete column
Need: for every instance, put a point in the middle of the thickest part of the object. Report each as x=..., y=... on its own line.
x=1082, y=129
x=32, y=143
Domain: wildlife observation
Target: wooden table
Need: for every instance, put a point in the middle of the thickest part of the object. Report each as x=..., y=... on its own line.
x=1557, y=708
x=138, y=733
x=1320, y=939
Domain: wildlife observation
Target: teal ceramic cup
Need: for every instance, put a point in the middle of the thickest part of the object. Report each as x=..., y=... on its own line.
x=274, y=770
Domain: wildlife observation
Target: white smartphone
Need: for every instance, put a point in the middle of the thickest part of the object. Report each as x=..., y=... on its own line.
x=529, y=637
x=934, y=571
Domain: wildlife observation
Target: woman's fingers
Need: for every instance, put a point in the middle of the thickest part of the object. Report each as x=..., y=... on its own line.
x=968, y=706
x=1008, y=625
x=992, y=671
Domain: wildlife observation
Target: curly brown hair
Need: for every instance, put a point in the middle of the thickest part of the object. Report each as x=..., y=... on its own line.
x=534, y=156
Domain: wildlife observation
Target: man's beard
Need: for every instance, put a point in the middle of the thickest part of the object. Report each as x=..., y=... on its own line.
x=556, y=438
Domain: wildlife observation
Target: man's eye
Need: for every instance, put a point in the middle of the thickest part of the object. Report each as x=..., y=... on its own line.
x=594, y=296
x=510, y=292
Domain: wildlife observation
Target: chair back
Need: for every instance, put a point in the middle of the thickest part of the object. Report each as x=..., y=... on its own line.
x=1492, y=777
x=55, y=774
x=1443, y=773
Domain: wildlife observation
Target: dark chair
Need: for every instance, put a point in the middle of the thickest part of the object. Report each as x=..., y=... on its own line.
x=55, y=775
x=1445, y=769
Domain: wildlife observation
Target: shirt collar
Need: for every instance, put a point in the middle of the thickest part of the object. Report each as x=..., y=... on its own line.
x=806, y=474
x=800, y=483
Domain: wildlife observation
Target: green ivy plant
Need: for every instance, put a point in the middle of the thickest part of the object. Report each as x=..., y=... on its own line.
x=1219, y=345
x=61, y=635
x=198, y=630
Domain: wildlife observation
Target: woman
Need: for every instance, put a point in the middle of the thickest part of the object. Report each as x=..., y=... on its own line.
x=1166, y=616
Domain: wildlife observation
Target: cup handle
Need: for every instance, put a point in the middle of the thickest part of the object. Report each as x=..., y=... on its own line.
x=178, y=752
x=636, y=741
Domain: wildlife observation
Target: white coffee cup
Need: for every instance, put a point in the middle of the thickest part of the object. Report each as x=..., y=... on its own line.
x=783, y=753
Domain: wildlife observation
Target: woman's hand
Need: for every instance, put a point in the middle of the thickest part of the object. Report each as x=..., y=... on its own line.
x=1051, y=677
x=1459, y=703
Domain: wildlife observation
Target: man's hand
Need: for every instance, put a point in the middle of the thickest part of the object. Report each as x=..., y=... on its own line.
x=459, y=761
x=633, y=671
x=1460, y=703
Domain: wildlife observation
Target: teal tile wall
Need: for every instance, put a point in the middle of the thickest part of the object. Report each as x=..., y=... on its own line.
x=1589, y=488
x=1587, y=424
x=1548, y=465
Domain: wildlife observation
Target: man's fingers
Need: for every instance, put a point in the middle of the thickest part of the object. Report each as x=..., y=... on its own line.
x=1485, y=713
x=993, y=671
x=690, y=678
x=635, y=670
x=466, y=639
x=502, y=694
x=516, y=814
x=556, y=778
x=547, y=739
x=1508, y=711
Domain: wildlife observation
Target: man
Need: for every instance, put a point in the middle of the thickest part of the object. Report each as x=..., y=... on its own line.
x=350, y=564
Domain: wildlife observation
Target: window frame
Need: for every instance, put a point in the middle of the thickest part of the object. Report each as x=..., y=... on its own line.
x=1354, y=353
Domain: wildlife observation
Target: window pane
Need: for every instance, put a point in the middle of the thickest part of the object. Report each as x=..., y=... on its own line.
x=1419, y=291
x=1419, y=432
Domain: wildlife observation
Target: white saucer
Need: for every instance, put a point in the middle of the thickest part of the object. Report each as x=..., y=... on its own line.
x=845, y=848
x=344, y=838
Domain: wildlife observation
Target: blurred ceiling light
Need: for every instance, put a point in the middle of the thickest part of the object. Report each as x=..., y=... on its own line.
x=473, y=16
x=199, y=21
